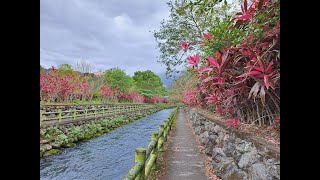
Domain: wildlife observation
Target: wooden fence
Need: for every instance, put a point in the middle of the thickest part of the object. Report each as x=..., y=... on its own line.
x=143, y=166
x=93, y=113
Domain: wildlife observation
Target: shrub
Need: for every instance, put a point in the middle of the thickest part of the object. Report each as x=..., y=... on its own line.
x=239, y=69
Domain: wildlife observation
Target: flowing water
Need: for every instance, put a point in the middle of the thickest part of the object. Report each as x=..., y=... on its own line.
x=108, y=157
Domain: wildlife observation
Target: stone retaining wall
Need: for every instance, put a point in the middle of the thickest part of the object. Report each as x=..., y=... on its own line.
x=234, y=157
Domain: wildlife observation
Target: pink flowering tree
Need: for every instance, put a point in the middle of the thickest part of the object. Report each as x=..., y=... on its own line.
x=55, y=87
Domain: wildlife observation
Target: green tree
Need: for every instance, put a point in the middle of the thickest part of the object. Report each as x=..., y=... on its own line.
x=65, y=69
x=188, y=20
x=116, y=77
x=147, y=82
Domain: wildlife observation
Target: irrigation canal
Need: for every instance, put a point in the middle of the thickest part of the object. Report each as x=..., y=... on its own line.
x=109, y=156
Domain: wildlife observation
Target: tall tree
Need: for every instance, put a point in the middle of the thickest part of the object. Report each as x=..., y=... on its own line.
x=117, y=77
x=65, y=69
x=84, y=67
x=148, y=81
x=188, y=20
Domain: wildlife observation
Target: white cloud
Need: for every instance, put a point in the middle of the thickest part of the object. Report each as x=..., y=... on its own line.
x=122, y=22
x=113, y=33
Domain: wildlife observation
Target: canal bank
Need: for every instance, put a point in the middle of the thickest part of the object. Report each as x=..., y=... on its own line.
x=106, y=157
x=55, y=138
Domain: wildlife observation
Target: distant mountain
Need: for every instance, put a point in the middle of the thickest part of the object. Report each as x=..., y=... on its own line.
x=169, y=81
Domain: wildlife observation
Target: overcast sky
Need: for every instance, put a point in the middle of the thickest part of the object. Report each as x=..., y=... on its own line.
x=106, y=33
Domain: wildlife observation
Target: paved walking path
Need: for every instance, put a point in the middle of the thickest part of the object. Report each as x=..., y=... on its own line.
x=184, y=159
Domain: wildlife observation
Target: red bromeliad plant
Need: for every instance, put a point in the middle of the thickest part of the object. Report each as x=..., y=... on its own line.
x=233, y=77
x=184, y=45
x=194, y=59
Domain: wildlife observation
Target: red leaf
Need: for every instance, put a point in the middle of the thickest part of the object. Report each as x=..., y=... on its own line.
x=234, y=123
x=218, y=55
x=194, y=59
x=264, y=45
x=271, y=84
x=207, y=36
x=252, y=7
x=260, y=64
x=203, y=70
x=229, y=123
x=266, y=81
x=242, y=9
x=226, y=60
x=213, y=62
x=256, y=68
x=244, y=17
x=207, y=79
x=254, y=90
x=253, y=73
x=262, y=94
x=184, y=45
x=278, y=120
x=245, y=5
x=251, y=37
x=268, y=70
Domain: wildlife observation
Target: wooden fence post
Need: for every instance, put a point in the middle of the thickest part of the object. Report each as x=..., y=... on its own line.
x=142, y=168
x=165, y=130
x=154, y=137
x=59, y=115
x=74, y=114
x=140, y=158
x=160, y=140
x=41, y=112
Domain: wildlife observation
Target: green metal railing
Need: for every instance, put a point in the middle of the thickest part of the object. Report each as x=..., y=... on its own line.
x=142, y=168
x=94, y=112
